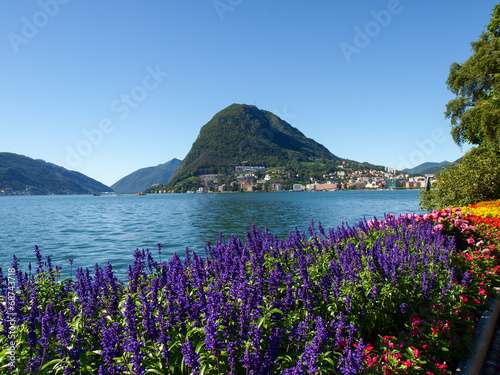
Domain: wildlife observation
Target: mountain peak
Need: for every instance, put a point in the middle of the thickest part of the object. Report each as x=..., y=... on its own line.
x=242, y=132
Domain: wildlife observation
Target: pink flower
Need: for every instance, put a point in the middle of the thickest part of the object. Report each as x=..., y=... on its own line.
x=486, y=252
x=470, y=241
x=482, y=291
x=416, y=352
x=480, y=243
x=407, y=363
x=427, y=217
x=416, y=321
x=438, y=227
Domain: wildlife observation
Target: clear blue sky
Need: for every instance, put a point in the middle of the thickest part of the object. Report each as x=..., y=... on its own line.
x=108, y=87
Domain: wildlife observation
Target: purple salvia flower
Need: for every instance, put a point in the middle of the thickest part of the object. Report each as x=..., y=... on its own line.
x=321, y=229
x=62, y=331
x=272, y=350
x=466, y=279
x=403, y=307
x=159, y=250
x=164, y=338
x=190, y=357
x=38, y=260
x=109, y=343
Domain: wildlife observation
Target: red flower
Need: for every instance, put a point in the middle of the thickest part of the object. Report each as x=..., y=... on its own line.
x=416, y=321
x=416, y=352
x=442, y=366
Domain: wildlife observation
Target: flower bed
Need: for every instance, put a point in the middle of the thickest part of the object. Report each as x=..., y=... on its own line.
x=484, y=209
x=486, y=216
x=391, y=296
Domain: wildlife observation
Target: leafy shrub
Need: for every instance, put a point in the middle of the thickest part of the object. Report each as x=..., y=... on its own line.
x=475, y=178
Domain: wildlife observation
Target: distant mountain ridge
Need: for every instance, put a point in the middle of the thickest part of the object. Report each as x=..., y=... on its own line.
x=427, y=168
x=19, y=173
x=245, y=134
x=144, y=178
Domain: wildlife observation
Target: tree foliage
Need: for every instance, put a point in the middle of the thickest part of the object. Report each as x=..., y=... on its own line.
x=475, y=178
x=475, y=119
x=475, y=112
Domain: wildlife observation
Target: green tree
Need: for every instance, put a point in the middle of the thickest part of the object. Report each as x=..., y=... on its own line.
x=475, y=112
x=475, y=119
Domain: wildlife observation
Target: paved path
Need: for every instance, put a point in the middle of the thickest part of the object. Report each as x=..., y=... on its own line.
x=491, y=365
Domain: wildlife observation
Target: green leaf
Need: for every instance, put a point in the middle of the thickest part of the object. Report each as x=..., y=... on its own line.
x=330, y=361
x=276, y=311
x=200, y=345
x=53, y=362
x=193, y=331
x=154, y=371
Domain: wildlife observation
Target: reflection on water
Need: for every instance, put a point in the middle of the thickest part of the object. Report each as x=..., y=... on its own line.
x=108, y=228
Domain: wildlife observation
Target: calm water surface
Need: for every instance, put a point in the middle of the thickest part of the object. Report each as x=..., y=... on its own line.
x=108, y=228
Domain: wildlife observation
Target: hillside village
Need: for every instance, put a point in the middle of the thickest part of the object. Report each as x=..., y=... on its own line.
x=260, y=178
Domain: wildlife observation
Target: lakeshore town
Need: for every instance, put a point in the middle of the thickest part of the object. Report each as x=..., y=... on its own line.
x=258, y=178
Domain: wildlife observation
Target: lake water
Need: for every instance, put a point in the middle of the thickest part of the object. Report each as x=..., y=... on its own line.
x=97, y=229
